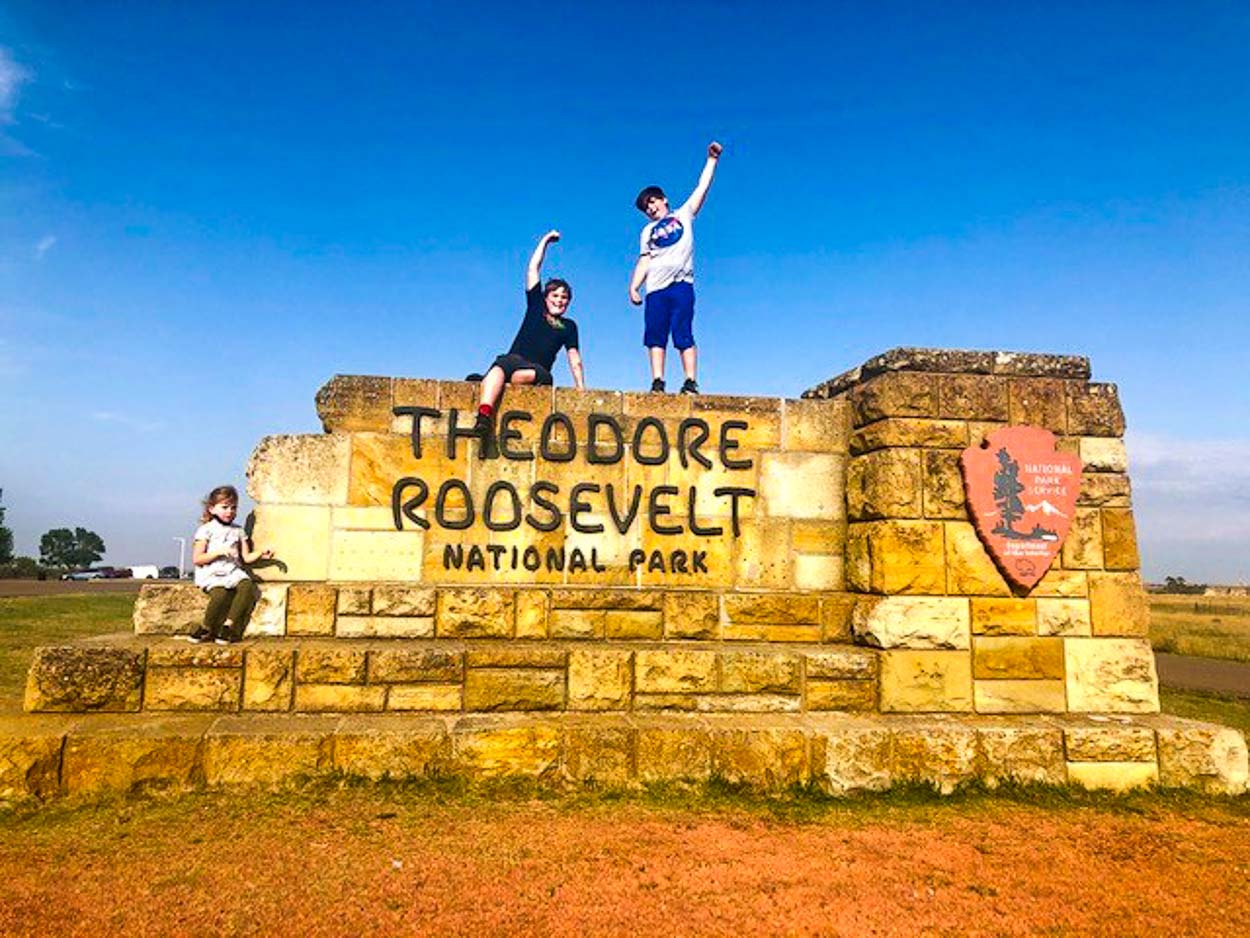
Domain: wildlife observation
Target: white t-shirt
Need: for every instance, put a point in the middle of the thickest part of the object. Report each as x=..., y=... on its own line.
x=223, y=571
x=669, y=243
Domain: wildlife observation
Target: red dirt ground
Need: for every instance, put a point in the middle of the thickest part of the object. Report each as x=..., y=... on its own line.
x=359, y=862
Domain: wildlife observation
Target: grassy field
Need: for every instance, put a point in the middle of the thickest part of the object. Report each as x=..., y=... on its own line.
x=1206, y=626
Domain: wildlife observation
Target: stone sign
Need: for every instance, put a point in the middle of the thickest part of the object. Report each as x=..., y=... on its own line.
x=1022, y=495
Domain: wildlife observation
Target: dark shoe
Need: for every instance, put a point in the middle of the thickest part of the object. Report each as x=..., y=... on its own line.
x=199, y=637
x=690, y=386
x=657, y=385
x=487, y=447
x=474, y=377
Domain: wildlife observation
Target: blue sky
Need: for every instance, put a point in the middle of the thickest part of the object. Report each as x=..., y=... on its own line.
x=206, y=210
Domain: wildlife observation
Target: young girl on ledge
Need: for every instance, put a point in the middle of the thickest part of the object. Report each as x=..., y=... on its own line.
x=221, y=549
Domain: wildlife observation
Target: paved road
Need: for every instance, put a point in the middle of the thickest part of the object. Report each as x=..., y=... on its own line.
x=1205, y=674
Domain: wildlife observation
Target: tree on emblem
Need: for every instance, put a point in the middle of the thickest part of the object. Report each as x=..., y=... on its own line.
x=1007, y=489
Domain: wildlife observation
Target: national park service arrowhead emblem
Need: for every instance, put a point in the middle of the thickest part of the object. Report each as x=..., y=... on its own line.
x=1022, y=496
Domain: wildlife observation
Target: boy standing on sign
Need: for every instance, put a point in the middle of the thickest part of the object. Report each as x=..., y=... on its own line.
x=666, y=265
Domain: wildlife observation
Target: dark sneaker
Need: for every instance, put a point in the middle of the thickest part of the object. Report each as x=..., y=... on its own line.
x=487, y=446
x=690, y=386
x=474, y=376
x=223, y=640
x=657, y=384
x=198, y=637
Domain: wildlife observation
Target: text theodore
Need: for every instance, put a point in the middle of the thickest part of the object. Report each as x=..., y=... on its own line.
x=668, y=510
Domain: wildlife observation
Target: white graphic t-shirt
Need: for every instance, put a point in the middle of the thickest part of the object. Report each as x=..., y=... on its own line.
x=669, y=243
x=224, y=571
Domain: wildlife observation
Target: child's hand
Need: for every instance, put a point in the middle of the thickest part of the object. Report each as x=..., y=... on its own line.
x=714, y=150
x=634, y=296
x=266, y=555
x=551, y=236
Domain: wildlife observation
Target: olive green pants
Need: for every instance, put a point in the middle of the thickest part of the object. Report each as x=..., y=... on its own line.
x=229, y=610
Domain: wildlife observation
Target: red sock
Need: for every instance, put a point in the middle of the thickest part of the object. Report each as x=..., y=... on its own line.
x=486, y=410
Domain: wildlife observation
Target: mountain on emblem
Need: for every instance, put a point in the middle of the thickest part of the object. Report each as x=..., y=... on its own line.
x=1021, y=494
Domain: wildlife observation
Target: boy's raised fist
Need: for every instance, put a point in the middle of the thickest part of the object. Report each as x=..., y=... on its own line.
x=714, y=150
x=552, y=235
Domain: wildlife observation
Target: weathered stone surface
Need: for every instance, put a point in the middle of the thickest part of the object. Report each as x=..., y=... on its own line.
x=268, y=677
x=84, y=678
x=909, y=431
x=1063, y=583
x=475, y=613
x=531, y=614
x=1041, y=365
x=836, y=612
x=599, y=753
x=926, y=681
x=913, y=622
x=934, y=359
x=433, y=697
x=354, y=601
x=169, y=609
x=178, y=655
x=299, y=536
x=1105, y=490
x=943, y=485
x=414, y=665
x=743, y=703
x=361, y=556
x=763, y=555
x=818, y=571
x=338, y=698
x=1111, y=675
x=241, y=750
x=355, y=402
x=378, y=747
x=843, y=664
x=803, y=485
x=896, y=557
x=942, y=756
x=884, y=483
x=1019, y=696
x=896, y=394
x=969, y=569
x=765, y=758
x=403, y=601
x=384, y=626
x=781, y=608
x=1038, y=402
x=192, y=689
x=30, y=756
x=850, y=756
x=577, y=623
x=1021, y=754
x=487, y=689
x=674, y=672
x=600, y=680
x=1094, y=410
x=329, y=664
x=1082, y=548
x=513, y=656
x=753, y=632
x=120, y=758
x=1003, y=657
x=1063, y=617
x=1004, y=616
x=1119, y=539
x=1117, y=604
x=745, y=672
x=492, y=749
x=1202, y=756
x=299, y=470
x=841, y=695
x=622, y=624
x=691, y=615
x=269, y=615
x=816, y=426
x=1113, y=776
x=972, y=397
x=1103, y=454
x=674, y=749
x=1110, y=742
x=310, y=609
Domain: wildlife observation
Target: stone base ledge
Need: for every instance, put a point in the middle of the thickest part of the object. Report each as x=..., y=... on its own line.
x=42, y=757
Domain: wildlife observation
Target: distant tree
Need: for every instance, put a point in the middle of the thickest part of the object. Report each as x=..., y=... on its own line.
x=6, y=537
x=62, y=547
x=22, y=568
x=1178, y=584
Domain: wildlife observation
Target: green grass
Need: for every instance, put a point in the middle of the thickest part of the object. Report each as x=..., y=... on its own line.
x=1206, y=626
x=1213, y=708
x=27, y=622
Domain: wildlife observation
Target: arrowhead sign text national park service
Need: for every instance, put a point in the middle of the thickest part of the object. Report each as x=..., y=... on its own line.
x=1022, y=495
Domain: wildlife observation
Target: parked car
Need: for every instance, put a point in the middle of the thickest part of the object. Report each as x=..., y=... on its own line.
x=169, y=573
x=116, y=573
x=83, y=575
x=147, y=571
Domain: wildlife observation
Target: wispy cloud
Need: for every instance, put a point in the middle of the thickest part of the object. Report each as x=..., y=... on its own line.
x=44, y=246
x=1219, y=468
x=128, y=420
x=12, y=77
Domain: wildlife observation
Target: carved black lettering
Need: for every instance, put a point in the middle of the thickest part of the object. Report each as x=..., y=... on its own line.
x=453, y=556
x=477, y=560
x=699, y=562
x=734, y=492
x=579, y=506
x=507, y=435
x=440, y=506
x=636, y=557
x=677, y=561
x=531, y=560
x=555, y=558
x=622, y=522
x=655, y=511
x=701, y=433
x=593, y=423
x=488, y=505
x=496, y=551
x=545, y=441
x=536, y=495
x=401, y=508
x=594, y=561
x=691, y=500
x=457, y=432
x=661, y=437
x=728, y=445
x=416, y=413
x=577, y=561
x=655, y=563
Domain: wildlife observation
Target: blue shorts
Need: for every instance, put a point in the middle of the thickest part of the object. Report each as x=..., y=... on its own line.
x=670, y=310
